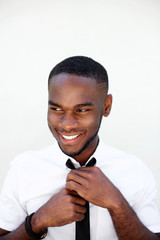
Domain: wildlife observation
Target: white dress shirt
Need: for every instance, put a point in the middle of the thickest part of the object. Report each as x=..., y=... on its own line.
x=35, y=176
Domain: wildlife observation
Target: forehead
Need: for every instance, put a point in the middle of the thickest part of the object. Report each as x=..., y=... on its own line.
x=63, y=87
x=71, y=79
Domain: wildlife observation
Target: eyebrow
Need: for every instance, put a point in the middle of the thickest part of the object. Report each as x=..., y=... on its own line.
x=53, y=103
x=88, y=104
x=84, y=104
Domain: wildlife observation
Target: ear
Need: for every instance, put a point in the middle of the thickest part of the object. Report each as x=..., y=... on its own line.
x=107, y=105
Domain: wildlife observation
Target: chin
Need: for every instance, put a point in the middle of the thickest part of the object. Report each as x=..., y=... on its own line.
x=87, y=145
x=70, y=153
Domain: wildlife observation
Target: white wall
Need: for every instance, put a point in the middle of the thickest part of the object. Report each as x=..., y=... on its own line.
x=123, y=35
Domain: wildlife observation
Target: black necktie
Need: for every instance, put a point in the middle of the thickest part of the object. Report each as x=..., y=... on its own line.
x=83, y=227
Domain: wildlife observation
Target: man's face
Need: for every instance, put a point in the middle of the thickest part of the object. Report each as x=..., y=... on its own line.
x=76, y=107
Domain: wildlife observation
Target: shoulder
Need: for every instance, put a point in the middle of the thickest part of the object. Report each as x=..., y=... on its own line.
x=125, y=165
x=31, y=157
x=33, y=165
x=113, y=155
x=31, y=162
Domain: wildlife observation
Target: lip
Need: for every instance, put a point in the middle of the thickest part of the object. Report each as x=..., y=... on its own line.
x=70, y=139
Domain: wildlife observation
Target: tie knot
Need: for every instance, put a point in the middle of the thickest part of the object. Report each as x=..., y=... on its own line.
x=70, y=164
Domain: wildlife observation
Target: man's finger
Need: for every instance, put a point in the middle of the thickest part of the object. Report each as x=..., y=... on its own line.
x=74, y=186
x=75, y=176
x=78, y=200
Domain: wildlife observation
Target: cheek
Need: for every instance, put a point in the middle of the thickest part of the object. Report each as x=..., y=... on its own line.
x=52, y=120
x=94, y=122
x=49, y=123
x=49, y=117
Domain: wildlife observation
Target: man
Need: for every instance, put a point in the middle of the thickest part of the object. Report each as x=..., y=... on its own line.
x=41, y=193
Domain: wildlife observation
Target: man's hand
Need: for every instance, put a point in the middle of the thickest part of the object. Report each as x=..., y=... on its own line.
x=91, y=184
x=63, y=208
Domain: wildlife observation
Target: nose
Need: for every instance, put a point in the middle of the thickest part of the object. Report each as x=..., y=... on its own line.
x=68, y=121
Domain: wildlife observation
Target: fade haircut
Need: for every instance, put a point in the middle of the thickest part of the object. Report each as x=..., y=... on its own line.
x=82, y=66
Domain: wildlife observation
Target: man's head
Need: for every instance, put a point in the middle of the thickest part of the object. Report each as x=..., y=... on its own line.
x=82, y=66
x=78, y=99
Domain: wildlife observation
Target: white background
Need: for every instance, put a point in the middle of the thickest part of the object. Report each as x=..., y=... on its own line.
x=123, y=35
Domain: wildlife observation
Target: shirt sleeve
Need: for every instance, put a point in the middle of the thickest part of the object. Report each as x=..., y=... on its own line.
x=146, y=206
x=12, y=213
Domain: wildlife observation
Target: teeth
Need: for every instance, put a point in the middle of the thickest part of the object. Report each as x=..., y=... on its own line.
x=70, y=137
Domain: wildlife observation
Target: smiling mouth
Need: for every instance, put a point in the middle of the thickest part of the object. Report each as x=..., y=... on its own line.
x=70, y=137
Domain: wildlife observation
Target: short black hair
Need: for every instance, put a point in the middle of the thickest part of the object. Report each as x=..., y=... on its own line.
x=81, y=66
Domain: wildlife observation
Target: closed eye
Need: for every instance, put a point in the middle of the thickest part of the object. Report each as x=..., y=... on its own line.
x=82, y=110
x=56, y=108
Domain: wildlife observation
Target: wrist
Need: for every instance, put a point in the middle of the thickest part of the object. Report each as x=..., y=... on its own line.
x=37, y=224
x=32, y=229
x=118, y=207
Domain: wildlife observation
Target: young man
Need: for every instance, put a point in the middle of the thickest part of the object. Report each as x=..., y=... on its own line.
x=42, y=194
